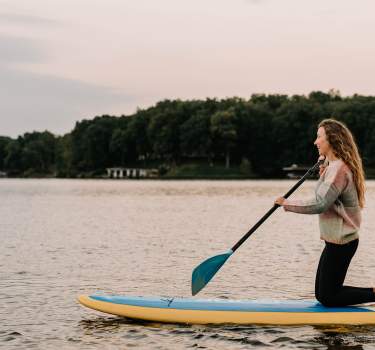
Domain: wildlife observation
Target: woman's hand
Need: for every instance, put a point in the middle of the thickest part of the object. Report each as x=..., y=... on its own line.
x=280, y=201
x=322, y=166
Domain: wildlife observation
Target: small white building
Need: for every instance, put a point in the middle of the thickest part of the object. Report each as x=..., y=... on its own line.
x=131, y=173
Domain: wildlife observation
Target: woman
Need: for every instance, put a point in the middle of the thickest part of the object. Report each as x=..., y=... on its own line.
x=339, y=198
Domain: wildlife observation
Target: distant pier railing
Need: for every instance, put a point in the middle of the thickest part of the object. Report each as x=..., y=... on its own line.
x=131, y=173
x=295, y=171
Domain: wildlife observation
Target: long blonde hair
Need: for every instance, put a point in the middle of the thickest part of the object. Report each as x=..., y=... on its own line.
x=344, y=147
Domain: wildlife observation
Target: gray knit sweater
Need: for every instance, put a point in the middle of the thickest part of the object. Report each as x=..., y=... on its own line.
x=336, y=202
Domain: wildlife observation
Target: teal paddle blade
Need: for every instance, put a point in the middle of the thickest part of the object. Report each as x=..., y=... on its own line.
x=204, y=272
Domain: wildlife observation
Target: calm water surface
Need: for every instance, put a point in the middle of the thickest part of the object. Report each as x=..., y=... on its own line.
x=62, y=238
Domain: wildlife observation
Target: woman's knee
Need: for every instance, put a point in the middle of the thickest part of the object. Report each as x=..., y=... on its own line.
x=326, y=299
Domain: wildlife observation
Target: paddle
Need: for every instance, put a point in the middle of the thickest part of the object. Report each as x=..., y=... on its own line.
x=204, y=272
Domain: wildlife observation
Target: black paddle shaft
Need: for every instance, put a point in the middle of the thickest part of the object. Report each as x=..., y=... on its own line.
x=275, y=206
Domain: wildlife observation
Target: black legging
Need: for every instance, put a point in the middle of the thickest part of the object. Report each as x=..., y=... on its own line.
x=333, y=265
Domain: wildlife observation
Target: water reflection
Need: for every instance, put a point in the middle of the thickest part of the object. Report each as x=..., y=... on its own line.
x=344, y=336
x=292, y=337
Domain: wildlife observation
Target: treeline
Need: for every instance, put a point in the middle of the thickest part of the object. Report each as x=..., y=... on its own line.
x=266, y=132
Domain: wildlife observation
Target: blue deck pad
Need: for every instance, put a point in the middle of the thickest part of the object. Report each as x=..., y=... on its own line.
x=227, y=305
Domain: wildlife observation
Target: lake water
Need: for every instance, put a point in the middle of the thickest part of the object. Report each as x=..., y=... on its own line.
x=62, y=238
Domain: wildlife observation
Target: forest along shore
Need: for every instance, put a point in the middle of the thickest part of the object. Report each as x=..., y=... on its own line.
x=231, y=138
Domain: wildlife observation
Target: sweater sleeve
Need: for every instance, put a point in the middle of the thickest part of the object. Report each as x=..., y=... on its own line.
x=334, y=183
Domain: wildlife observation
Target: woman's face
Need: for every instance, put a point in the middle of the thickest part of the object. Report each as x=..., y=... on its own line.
x=322, y=143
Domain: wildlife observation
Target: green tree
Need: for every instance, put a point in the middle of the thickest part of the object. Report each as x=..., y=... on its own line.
x=163, y=129
x=13, y=160
x=255, y=137
x=357, y=113
x=64, y=156
x=122, y=147
x=195, y=137
x=224, y=133
x=137, y=132
x=4, y=141
x=90, y=143
x=294, y=128
x=39, y=152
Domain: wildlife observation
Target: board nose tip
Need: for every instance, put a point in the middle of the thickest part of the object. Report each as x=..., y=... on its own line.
x=82, y=299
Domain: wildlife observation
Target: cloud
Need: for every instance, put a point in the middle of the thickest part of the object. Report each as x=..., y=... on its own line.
x=255, y=1
x=14, y=18
x=33, y=101
x=21, y=50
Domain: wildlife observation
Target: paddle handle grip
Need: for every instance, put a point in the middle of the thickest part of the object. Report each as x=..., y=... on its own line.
x=275, y=206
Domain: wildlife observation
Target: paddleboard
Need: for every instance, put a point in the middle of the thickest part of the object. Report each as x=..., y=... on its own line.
x=221, y=311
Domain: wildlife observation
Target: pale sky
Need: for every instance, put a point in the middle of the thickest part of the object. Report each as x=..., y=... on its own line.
x=62, y=61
